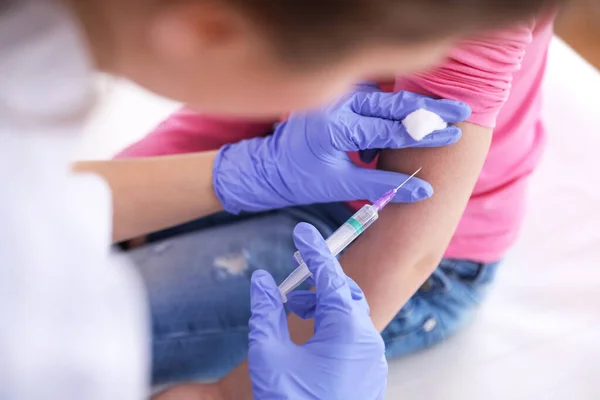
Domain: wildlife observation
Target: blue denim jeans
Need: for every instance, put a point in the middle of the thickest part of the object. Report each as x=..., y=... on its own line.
x=197, y=277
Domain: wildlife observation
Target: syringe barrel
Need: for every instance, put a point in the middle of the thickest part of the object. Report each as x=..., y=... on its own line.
x=337, y=242
x=349, y=231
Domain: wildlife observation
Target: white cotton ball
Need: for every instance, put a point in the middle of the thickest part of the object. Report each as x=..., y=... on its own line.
x=421, y=123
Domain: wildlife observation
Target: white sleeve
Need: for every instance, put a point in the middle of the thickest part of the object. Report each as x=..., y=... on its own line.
x=74, y=325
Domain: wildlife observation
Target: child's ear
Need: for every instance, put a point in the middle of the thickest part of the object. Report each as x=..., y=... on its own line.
x=191, y=29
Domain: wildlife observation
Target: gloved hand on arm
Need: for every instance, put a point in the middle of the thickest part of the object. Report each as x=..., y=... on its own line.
x=305, y=160
x=344, y=359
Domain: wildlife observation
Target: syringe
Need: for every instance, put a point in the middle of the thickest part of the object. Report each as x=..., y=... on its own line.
x=342, y=237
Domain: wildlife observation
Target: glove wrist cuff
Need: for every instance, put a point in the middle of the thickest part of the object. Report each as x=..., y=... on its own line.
x=241, y=177
x=219, y=187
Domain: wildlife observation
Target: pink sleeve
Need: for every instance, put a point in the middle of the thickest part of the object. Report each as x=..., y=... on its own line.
x=478, y=72
x=186, y=131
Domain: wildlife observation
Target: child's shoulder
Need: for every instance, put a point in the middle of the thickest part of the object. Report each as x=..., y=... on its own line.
x=479, y=70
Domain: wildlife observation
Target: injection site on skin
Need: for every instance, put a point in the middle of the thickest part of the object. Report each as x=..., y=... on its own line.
x=422, y=122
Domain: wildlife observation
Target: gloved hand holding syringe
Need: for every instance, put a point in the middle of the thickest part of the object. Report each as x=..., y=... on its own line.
x=342, y=237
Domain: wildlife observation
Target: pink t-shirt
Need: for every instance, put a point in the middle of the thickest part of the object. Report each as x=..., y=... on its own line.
x=499, y=75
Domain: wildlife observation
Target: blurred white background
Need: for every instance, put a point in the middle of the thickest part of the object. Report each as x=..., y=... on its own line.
x=538, y=335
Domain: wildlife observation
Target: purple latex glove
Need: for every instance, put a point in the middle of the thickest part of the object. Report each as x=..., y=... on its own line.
x=446, y=109
x=345, y=359
x=305, y=160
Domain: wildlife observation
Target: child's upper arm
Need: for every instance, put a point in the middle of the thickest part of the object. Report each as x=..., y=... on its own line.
x=479, y=72
x=408, y=241
x=415, y=236
x=187, y=131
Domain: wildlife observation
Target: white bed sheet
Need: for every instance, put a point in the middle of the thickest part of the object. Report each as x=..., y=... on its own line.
x=538, y=335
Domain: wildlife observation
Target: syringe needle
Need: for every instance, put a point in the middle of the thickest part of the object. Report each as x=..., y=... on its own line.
x=408, y=179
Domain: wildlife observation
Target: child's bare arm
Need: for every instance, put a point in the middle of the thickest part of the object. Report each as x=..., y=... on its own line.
x=398, y=254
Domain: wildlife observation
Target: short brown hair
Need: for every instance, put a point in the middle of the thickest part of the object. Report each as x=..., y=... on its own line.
x=315, y=28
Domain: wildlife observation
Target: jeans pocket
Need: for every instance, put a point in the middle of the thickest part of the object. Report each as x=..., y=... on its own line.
x=411, y=320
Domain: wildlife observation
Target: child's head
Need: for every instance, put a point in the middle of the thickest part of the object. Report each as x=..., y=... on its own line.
x=264, y=57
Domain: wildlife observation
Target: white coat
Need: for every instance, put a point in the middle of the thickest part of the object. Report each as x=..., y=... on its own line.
x=73, y=322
